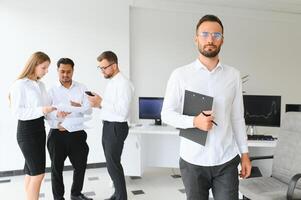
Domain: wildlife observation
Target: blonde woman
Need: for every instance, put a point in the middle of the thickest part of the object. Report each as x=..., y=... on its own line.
x=29, y=99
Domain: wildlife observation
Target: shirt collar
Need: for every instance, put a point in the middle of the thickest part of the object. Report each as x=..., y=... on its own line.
x=73, y=84
x=199, y=65
x=27, y=79
x=116, y=76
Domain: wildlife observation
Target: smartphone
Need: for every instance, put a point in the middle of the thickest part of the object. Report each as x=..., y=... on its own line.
x=89, y=93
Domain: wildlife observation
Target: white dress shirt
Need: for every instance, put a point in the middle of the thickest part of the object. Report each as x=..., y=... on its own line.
x=223, y=83
x=60, y=98
x=27, y=97
x=116, y=102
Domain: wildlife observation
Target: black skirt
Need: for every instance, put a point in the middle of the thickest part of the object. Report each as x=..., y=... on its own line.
x=31, y=137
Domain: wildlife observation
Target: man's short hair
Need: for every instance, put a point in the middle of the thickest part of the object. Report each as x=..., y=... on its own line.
x=65, y=61
x=209, y=18
x=109, y=56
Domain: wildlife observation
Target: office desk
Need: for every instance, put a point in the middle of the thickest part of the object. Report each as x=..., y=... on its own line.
x=157, y=146
x=261, y=143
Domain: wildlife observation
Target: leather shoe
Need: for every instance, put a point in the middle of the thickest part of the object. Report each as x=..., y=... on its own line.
x=80, y=197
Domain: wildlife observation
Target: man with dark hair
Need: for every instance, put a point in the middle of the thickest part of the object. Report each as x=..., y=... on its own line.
x=115, y=106
x=65, y=61
x=65, y=140
x=214, y=165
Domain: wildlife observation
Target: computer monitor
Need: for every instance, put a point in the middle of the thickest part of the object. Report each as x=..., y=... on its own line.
x=262, y=110
x=293, y=108
x=150, y=108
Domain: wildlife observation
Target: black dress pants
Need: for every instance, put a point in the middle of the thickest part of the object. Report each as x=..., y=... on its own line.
x=63, y=144
x=222, y=179
x=114, y=134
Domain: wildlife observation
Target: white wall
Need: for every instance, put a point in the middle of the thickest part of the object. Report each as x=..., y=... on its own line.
x=70, y=28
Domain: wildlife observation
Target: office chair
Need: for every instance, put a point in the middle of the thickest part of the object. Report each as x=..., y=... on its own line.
x=286, y=171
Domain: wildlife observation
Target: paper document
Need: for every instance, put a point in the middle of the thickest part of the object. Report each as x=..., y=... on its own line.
x=69, y=108
x=75, y=123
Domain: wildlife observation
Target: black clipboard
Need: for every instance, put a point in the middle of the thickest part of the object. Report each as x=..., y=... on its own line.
x=194, y=104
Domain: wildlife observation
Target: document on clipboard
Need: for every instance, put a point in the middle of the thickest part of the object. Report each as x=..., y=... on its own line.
x=194, y=104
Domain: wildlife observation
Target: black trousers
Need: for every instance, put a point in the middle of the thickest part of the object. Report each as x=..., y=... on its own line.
x=222, y=179
x=63, y=144
x=114, y=134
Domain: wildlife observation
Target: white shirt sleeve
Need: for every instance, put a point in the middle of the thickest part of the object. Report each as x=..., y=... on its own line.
x=21, y=105
x=86, y=103
x=51, y=117
x=172, y=105
x=237, y=119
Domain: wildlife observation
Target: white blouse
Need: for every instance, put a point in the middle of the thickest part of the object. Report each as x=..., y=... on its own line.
x=27, y=99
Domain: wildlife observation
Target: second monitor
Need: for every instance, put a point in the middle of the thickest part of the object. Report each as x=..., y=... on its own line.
x=150, y=108
x=262, y=110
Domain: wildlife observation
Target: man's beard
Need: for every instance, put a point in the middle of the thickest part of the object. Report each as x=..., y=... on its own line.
x=210, y=54
x=107, y=76
x=66, y=81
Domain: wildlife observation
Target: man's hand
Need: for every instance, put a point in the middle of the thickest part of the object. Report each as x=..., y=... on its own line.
x=62, y=114
x=202, y=122
x=75, y=104
x=95, y=101
x=246, y=166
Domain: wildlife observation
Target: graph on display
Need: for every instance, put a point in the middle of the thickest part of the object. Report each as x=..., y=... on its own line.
x=260, y=110
x=269, y=115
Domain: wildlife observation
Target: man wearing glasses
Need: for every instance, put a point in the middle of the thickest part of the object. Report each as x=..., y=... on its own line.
x=115, y=106
x=214, y=165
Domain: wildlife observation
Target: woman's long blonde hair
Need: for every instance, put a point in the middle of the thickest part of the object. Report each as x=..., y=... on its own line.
x=34, y=60
x=29, y=69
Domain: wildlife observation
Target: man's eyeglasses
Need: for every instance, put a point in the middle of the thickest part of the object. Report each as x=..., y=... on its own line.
x=104, y=68
x=214, y=35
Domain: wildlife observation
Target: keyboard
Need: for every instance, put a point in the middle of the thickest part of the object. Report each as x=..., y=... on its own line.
x=261, y=137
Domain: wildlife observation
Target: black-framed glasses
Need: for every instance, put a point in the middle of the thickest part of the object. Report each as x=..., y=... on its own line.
x=214, y=35
x=104, y=68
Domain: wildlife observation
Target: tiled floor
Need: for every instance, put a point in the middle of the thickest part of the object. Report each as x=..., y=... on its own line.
x=156, y=184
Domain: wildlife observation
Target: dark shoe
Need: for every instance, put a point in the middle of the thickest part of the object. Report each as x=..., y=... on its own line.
x=111, y=198
x=80, y=197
